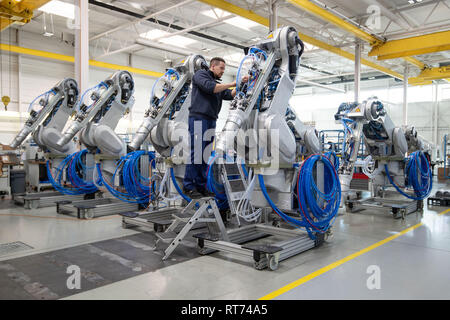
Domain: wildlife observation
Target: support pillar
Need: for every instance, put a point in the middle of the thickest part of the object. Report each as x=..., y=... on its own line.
x=273, y=15
x=82, y=44
x=405, y=95
x=358, y=48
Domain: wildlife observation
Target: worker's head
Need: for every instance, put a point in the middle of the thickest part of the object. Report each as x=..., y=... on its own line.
x=217, y=66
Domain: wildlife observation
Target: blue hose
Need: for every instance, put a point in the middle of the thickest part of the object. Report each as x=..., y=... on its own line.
x=177, y=187
x=96, y=87
x=417, y=175
x=73, y=166
x=46, y=94
x=138, y=189
x=330, y=155
x=313, y=217
x=213, y=186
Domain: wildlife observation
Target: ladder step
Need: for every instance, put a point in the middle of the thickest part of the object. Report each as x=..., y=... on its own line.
x=231, y=169
x=167, y=236
x=183, y=216
x=237, y=185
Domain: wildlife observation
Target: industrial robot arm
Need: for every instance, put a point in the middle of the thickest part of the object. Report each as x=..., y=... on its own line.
x=47, y=121
x=112, y=99
x=263, y=101
x=386, y=144
x=172, y=103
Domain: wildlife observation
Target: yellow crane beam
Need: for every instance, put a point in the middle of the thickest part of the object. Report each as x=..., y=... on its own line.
x=329, y=17
x=430, y=74
x=361, y=34
x=18, y=12
x=71, y=59
x=250, y=15
x=434, y=42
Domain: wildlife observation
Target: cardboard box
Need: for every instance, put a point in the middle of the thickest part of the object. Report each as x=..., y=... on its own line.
x=5, y=147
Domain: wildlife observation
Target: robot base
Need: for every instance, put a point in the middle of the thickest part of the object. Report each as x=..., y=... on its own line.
x=263, y=255
x=398, y=208
x=89, y=209
x=236, y=241
x=158, y=220
x=43, y=199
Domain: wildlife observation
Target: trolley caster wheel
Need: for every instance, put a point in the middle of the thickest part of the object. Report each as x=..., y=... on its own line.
x=158, y=228
x=88, y=215
x=273, y=263
x=399, y=214
x=420, y=205
x=328, y=235
x=348, y=207
x=33, y=205
x=403, y=213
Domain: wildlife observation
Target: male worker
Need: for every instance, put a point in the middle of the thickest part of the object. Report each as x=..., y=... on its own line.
x=206, y=102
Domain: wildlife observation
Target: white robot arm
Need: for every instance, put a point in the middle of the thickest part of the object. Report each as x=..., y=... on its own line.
x=385, y=143
x=167, y=116
x=112, y=100
x=47, y=123
x=263, y=102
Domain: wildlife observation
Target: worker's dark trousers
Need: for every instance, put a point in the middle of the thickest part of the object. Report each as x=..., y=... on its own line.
x=195, y=176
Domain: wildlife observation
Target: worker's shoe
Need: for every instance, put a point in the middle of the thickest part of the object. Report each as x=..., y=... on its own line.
x=192, y=193
x=206, y=193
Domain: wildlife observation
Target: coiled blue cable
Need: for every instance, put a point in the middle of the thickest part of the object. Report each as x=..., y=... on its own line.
x=73, y=166
x=332, y=155
x=417, y=175
x=138, y=189
x=314, y=218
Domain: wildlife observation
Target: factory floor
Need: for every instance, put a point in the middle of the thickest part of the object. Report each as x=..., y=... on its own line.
x=370, y=256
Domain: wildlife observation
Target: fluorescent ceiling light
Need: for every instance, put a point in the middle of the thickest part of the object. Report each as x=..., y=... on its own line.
x=165, y=37
x=235, y=21
x=59, y=8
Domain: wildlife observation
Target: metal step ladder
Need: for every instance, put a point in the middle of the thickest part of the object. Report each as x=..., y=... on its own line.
x=235, y=184
x=207, y=212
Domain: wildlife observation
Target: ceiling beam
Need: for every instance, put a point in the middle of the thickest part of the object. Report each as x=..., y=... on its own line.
x=434, y=42
x=134, y=22
x=71, y=59
x=18, y=12
x=226, y=6
x=431, y=74
x=361, y=34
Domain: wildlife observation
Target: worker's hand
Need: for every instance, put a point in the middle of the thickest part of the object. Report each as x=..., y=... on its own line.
x=244, y=79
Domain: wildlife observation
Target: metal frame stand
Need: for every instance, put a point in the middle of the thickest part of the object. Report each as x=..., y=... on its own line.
x=89, y=209
x=398, y=208
x=43, y=199
x=219, y=239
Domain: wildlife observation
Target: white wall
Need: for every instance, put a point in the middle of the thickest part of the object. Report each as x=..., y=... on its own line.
x=317, y=105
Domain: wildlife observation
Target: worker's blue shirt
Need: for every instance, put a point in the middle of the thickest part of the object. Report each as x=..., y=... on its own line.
x=205, y=104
